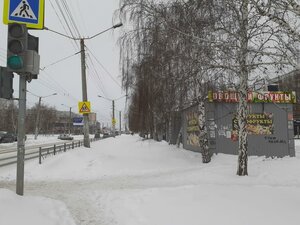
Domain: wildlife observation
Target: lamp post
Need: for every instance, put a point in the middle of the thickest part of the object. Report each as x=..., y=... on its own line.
x=70, y=116
x=113, y=120
x=86, y=140
x=38, y=114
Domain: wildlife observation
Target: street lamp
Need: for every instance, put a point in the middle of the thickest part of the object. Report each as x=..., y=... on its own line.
x=86, y=140
x=38, y=113
x=113, y=120
x=70, y=116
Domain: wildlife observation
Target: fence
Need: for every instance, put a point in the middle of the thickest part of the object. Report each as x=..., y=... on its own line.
x=44, y=152
x=9, y=157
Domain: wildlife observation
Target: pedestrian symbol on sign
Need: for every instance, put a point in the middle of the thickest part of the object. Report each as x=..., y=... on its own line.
x=23, y=10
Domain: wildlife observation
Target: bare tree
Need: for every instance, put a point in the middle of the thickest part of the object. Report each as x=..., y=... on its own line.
x=177, y=48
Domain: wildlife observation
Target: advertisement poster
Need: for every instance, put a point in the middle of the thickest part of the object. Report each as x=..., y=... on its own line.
x=257, y=124
x=193, y=129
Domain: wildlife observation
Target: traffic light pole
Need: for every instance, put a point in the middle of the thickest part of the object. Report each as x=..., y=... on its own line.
x=86, y=138
x=21, y=135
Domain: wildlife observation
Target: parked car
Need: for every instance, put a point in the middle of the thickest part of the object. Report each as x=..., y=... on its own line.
x=8, y=138
x=65, y=137
x=105, y=135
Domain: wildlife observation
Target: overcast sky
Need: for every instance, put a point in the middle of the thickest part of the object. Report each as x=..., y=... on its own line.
x=64, y=78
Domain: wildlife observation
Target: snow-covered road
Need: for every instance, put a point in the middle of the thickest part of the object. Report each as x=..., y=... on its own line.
x=131, y=182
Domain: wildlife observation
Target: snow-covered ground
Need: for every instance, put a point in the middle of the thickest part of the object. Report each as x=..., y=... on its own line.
x=128, y=181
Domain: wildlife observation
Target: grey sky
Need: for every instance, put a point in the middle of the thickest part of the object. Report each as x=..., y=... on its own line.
x=64, y=78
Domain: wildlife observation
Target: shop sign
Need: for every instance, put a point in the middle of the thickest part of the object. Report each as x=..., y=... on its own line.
x=254, y=97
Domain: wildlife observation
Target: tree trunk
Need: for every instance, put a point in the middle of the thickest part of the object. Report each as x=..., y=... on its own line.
x=243, y=92
x=203, y=139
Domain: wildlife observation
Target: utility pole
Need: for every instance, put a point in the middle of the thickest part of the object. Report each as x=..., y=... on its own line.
x=70, y=117
x=113, y=118
x=113, y=121
x=86, y=138
x=120, y=121
x=37, y=119
x=70, y=121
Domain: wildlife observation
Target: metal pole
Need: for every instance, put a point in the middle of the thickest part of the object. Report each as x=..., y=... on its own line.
x=120, y=122
x=37, y=119
x=70, y=122
x=113, y=118
x=86, y=140
x=21, y=136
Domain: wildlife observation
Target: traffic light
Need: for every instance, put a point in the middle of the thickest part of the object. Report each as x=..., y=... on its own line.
x=22, y=51
x=17, y=42
x=6, y=83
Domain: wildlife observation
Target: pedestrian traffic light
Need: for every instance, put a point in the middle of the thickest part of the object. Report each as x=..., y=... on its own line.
x=6, y=83
x=17, y=43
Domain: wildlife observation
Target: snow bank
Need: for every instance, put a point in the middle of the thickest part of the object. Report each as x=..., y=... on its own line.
x=16, y=210
x=130, y=181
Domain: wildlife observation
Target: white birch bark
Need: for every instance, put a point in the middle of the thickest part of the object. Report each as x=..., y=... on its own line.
x=243, y=91
x=203, y=136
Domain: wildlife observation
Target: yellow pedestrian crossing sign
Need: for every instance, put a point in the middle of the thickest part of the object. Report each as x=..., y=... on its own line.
x=84, y=107
x=29, y=12
x=114, y=121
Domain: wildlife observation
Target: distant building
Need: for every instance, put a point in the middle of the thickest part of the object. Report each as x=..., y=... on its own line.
x=63, y=123
x=289, y=82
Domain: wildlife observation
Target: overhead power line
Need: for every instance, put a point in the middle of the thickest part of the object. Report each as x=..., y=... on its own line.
x=104, y=67
x=60, y=60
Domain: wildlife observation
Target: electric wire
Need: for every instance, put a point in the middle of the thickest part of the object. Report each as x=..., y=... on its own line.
x=71, y=18
x=75, y=45
x=65, y=19
x=60, y=60
x=98, y=78
x=82, y=20
x=52, y=84
x=103, y=67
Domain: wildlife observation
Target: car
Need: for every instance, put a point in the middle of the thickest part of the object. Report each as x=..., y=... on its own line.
x=105, y=135
x=65, y=137
x=8, y=138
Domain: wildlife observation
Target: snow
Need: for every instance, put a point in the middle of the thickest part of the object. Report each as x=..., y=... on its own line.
x=130, y=181
x=32, y=210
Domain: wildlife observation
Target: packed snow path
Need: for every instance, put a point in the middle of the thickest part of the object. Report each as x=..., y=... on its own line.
x=129, y=181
